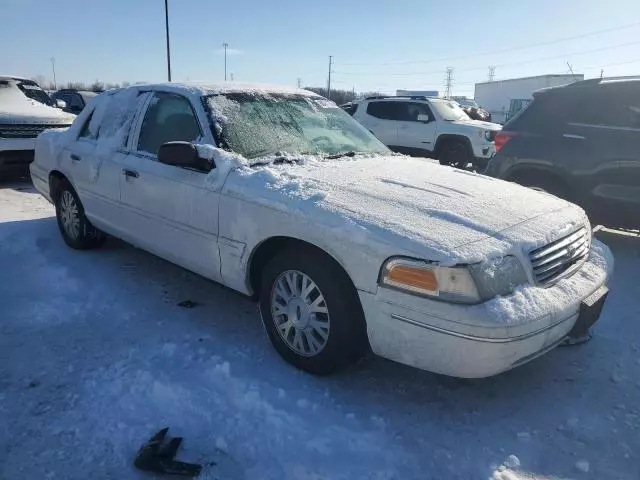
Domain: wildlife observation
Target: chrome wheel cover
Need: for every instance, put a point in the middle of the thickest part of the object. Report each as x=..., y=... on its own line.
x=300, y=313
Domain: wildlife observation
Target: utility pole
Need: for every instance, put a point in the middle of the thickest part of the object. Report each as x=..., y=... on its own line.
x=166, y=24
x=53, y=67
x=299, y=80
x=231, y=76
x=329, y=79
x=601, y=72
x=225, y=45
x=448, y=82
x=492, y=73
x=571, y=70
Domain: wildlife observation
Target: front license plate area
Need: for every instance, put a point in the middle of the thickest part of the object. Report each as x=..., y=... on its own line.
x=590, y=310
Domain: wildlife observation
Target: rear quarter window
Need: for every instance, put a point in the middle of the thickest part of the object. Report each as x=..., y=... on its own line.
x=547, y=112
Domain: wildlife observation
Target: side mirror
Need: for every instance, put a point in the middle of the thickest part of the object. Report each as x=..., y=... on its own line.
x=185, y=155
x=423, y=118
x=60, y=103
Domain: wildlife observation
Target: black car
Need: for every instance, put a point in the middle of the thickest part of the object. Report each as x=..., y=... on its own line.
x=76, y=100
x=580, y=142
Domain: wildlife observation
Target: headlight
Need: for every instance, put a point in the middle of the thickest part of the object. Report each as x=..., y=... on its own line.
x=460, y=284
x=486, y=134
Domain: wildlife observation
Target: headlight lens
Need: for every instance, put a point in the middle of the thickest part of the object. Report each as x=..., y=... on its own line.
x=498, y=276
x=461, y=284
x=487, y=135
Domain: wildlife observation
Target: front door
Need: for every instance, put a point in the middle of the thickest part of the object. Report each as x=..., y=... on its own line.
x=169, y=210
x=417, y=130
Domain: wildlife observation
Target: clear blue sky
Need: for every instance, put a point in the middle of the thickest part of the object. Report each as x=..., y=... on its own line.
x=281, y=40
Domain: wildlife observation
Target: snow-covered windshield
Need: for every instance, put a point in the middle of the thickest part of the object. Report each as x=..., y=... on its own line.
x=34, y=92
x=449, y=110
x=258, y=124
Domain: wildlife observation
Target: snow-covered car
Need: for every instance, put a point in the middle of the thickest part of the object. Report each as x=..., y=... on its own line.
x=428, y=127
x=280, y=194
x=25, y=111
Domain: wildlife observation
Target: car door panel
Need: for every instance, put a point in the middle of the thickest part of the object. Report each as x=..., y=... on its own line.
x=168, y=210
x=414, y=134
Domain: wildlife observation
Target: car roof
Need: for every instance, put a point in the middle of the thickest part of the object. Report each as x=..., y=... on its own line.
x=13, y=77
x=591, y=82
x=218, y=88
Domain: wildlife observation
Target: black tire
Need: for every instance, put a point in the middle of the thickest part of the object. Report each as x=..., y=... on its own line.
x=87, y=235
x=548, y=184
x=347, y=339
x=455, y=153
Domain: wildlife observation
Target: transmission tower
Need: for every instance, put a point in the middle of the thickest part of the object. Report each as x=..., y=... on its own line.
x=448, y=82
x=492, y=73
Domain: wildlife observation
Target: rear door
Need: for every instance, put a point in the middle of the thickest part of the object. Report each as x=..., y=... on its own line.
x=602, y=140
x=417, y=127
x=169, y=210
x=382, y=118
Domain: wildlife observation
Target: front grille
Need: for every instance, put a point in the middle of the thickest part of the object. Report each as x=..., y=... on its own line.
x=560, y=258
x=25, y=131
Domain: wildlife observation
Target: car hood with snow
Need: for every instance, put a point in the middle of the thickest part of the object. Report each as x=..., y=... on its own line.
x=15, y=108
x=425, y=209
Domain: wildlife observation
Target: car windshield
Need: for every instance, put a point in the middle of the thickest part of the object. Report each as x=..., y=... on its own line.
x=34, y=92
x=449, y=110
x=256, y=125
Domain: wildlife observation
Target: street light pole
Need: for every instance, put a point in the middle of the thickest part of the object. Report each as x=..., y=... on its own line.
x=225, y=45
x=166, y=23
x=53, y=67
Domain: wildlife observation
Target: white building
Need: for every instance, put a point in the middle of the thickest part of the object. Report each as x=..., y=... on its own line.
x=503, y=98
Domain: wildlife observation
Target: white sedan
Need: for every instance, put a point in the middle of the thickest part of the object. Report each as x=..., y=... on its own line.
x=279, y=194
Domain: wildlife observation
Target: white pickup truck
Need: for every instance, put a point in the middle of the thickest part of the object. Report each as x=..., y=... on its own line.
x=280, y=194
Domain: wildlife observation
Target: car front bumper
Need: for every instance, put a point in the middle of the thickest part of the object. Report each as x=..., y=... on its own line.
x=473, y=341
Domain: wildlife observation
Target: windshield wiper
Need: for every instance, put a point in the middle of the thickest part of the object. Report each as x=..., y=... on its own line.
x=350, y=153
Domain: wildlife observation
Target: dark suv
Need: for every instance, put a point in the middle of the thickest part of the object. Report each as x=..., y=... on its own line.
x=580, y=142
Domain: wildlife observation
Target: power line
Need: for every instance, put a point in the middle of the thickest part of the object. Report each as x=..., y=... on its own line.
x=521, y=47
x=523, y=62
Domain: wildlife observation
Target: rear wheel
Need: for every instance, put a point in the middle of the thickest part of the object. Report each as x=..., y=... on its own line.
x=455, y=153
x=311, y=311
x=75, y=228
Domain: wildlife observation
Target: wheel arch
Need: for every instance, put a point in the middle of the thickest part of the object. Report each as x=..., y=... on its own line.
x=445, y=138
x=56, y=177
x=269, y=247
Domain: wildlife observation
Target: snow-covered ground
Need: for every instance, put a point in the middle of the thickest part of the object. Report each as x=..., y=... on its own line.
x=95, y=356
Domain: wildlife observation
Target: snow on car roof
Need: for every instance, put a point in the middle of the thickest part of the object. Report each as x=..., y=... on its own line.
x=213, y=88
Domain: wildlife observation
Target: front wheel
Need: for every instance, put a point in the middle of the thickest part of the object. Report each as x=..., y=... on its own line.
x=76, y=230
x=311, y=311
x=455, y=153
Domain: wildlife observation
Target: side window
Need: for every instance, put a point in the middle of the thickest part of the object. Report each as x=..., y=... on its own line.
x=86, y=132
x=169, y=118
x=412, y=110
x=387, y=110
x=611, y=106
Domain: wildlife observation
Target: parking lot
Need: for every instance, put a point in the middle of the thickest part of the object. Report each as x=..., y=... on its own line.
x=96, y=355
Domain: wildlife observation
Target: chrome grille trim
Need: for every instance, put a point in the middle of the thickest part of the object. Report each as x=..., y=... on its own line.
x=560, y=258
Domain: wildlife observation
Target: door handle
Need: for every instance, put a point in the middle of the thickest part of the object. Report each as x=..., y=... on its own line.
x=575, y=137
x=75, y=158
x=130, y=173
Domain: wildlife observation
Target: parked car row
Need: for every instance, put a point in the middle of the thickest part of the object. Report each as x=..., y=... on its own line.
x=279, y=194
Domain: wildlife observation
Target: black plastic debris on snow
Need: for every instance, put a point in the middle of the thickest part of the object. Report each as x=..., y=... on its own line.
x=188, y=304
x=155, y=457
